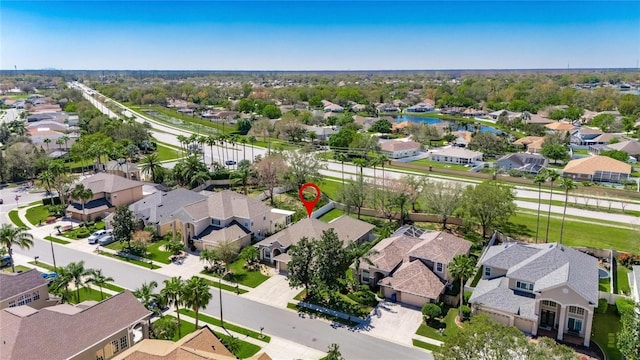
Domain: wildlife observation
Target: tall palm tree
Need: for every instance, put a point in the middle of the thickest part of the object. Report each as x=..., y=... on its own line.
x=234, y=140
x=197, y=295
x=97, y=278
x=201, y=141
x=383, y=159
x=146, y=295
x=221, y=142
x=211, y=140
x=60, y=285
x=65, y=139
x=252, y=140
x=83, y=195
x=540, y=179
x=242, y=176
x=568, y=185
x=244, y=148
x=361, y=163
x=342, y=157
x=12, y=236
x=150, y=164
x=553, y=176
x=174, y=293
x=47, y=141
x=59, y=142
x=183, y=140
x=77, y=272
x=46, y=179
x=461, y=267
x=375, y=161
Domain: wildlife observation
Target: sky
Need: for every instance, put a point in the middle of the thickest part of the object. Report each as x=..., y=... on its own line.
x=318, y=35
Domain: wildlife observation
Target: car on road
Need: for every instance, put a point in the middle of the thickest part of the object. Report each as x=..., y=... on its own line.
x=1, y=201
x=49, y=277
x=106, y=240
x=230, y=162
x=93, y=239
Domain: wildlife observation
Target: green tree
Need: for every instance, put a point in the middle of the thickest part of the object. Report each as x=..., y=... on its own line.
x=568, y=185
x=150, y=164
x=242, y=176
x=616, y=154
x=82, y=194
x=173, y=291
x=431, y=311
x=301, y=265
x=303, y=168
x=333, y=353
x=381, y=126
x=342, y=157
x=227, y=252
x=488, y=204
x=251, y=256
x=488, y=143
x=552, y=176
x=165, y=328
x=124, y=225
x=246, y=106
x=97, y=278
x=629, y=335
x=357, y=254
x=271, y=111
x=77, y=272
x=461, y=267
x=554, y=149
x=11, y=236
x=243, y=126
x=354, y=194
x=443, y=199
x=603, y=122
x=342, y=139
x=197, y=295
x=331, y=260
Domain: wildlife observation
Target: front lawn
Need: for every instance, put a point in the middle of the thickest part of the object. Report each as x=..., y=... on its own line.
x=448, y=323
x=604, y=285
x=228, y=326
x=166, y=153
x=223, y=286
x=132, y=261
x=37, y=214
x=605, y=329
x=81, y=232
x=86, y=294
x=153, y=251
x=621, y=285
x=56, y=240
x=243, y=276
x=424, y=345
x=43, y=265
x=19, y=268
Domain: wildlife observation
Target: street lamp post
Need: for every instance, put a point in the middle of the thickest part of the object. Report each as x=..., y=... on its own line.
x=53, y=255
x=220, y=289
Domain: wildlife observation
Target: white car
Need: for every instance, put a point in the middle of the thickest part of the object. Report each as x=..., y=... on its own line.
x=106, y=240
x=96, y=236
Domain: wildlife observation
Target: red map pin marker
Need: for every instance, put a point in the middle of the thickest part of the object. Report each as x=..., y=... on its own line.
x=309, y=204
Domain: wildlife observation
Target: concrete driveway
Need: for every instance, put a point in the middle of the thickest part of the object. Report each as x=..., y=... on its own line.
x=275, y=291
x=393, y=322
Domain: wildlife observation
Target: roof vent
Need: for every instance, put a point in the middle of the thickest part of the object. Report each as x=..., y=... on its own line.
x=160, y=205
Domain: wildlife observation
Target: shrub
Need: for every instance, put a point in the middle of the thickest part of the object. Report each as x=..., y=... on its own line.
x=364, y=297
x=515, y=173
x=602, y=306
x=82, y=232
x=430, y=311
x=467, y=295
x=624, y=306
x=465, y=313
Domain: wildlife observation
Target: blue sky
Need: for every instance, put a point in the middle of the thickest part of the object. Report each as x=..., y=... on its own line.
x=318, y=35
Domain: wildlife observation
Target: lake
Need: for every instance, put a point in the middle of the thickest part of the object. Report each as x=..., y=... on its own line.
x=461, y=125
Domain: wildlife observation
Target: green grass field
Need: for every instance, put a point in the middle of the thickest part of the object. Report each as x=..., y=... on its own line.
x=86, y=294
x=424, y=345
x=167, y=153
x=56, y=240
x=228, y=326
x=37, y=214
x=621, y=286
x=19, y=268
x=605, y=329
x=448, y=323
x=243, y=276
x=333, y=214
x=15, y=219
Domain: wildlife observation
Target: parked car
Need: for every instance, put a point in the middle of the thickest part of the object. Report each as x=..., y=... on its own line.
x=230, y=162
x=93, y=239
x=50, y=277
x=106, y=240
x=1, y=201
x=5, y=261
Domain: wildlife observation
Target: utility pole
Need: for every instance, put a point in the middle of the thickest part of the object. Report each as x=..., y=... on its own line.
x=53, y=255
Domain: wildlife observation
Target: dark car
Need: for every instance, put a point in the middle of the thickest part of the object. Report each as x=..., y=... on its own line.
x=1, y=201
x=230, y=162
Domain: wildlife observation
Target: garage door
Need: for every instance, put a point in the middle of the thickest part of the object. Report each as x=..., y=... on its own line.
x=524, y=325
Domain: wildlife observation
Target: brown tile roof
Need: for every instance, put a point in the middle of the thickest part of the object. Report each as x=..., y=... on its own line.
x=560, y=126
x=397, y=145
x=440, y=246
x=108, y=183
x=15, y=284
x=231, y=233
x=347, y=228
x=52, y=334
x=225, y=205
x=415, y=278
x=392, y=251
x=590, y=165
x=528, y=140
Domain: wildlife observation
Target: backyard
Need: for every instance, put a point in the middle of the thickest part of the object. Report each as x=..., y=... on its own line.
x=436, y=164
x=86, y=294
x=605, y=329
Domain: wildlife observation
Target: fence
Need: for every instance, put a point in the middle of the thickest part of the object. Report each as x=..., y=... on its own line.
x=323, y=210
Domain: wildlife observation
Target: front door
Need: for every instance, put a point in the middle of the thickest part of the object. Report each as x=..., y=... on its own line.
x=548, y=318
x=574, y=325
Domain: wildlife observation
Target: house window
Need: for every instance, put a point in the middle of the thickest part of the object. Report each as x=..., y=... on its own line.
x=267, y=254
x=124, y=343
x=439, y=267
x=523, y=285
x=114, y=345
x=36, y=295
x=576, y=310
x=24, y=299
x=215, y=222
x=12, y=303
x=487, y=271
x=549, y=303
x=365, y=276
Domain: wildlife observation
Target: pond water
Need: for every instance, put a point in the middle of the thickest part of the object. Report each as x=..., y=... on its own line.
x=461, y=126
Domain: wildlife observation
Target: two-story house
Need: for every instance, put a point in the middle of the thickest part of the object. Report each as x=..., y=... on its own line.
x=274, y=248
x=26, y=288
x=546, y=289
x=109, y=192
x=411, y=266
x=396, y=149
x=88, y=330
x=227, y=215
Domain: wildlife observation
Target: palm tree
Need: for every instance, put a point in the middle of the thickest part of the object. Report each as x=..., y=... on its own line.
x=211, y=140
x=342, y=157
x=47, y=141
x=201, y=141
x=375, y=161
x=46, y=179
x=82, y=194
x=383, y=159
x=98, y=279
x=461, y=267
x=146, y=295
x=553, y=176
x=244, y=148
x=150, y=164
x=60, y=285
x=234, y=140
x=59, y=142
x=183, y=140
x=358, y=254
x=221, y=142
x=65, y=139
x=165, y=328
x=174, y=293
x=360, y=162
x=197, y=295
x=76, y=273
x=242, y=176
x=540, y=179
x=568, y=185
x=252, y=140
x=12, y=236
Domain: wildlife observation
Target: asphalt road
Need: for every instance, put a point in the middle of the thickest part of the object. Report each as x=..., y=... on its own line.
x=286, y=324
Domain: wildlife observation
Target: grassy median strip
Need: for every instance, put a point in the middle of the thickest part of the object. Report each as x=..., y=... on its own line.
x=132, y=261
x=43, y=265
x=15, y=219
x=424, y=345
x=56, y=240
x=228, y=326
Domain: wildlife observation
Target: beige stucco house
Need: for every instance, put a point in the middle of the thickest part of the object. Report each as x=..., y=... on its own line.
x=109, y=192
x=411, y=266
x=396, y=149
x=597, y=169
x=456, y=155
x=26, y=288
x=89, y=330
x=273, y=249
x=548, y=289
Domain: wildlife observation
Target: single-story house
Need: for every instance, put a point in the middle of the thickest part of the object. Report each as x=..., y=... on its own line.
x=396, y=149
x=531, y=144
x=420, y=108
x=530, y=163
x=387, y=108
x=597, y=169
x=631, y=147
x=322, y=132
x=274, y=248
x=510, y=114
x=456, y=155
x=541, y=289
x=560, y=126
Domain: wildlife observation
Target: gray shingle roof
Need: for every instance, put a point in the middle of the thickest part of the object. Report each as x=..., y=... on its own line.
x=108, y=183
x=496, y=294
x=156, y=208
x=507, y=255
x=223, y=205
x=15, y=284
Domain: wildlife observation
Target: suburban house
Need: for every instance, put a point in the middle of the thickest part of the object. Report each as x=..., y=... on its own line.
x=328, y=106
x=227, y=215
x=387, y=108
x=396, y=149
x=109, y=192
x=597, y=169
x=536, y=119
x=530, y=144
x=542, y=289
x=201, y=344
x=25, y=288
x=463, y=138
x=510, y=114
x=124, y=169
x=88, y=330
x=411, y=266
x=420, y=108
x=635, y=283
x=322, y=132
x=584, y=135
x=631, y=147
x=529, y=163
x=274, y=248
x=601, y=140
x=560, y=127
x=456, y=155
x=365, y=122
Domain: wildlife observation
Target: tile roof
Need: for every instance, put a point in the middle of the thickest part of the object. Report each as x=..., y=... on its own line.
x=560, y=126
x=53, y=334
x=631, y=147
x=439, y=246
x=398, y=145
x=108, y=183
x=157, y=207
x=528, y=140
x=590, y=165
x=415, y=278
x=18, y=283
x=606, y=137
x=392, y=251
x=223, y=205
